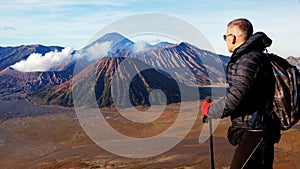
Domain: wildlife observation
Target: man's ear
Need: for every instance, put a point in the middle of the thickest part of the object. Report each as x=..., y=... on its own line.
x=233, y=39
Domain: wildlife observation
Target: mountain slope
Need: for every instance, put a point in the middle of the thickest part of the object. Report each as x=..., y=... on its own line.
x=186, y=62
x=95, y=84
x=17, y=85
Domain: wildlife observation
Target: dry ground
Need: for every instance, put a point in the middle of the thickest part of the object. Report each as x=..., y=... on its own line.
x=56, y=140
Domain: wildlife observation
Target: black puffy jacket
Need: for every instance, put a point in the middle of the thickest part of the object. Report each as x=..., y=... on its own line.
x=251, y=83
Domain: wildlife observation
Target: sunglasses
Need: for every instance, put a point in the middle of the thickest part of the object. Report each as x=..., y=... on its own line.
x=225, y=36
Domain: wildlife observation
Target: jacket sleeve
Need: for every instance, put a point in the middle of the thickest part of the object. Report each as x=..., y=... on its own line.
x=242, y=79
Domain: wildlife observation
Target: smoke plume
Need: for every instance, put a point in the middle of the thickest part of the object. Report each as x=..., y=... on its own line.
x=38, y=62
x=140, y=46
x=95, y=51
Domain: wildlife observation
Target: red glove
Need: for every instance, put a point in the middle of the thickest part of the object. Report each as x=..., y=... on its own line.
x=205, y=107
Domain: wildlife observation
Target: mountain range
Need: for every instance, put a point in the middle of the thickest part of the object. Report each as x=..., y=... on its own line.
x=93, y=67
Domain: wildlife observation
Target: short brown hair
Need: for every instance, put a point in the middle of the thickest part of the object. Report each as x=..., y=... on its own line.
x=244, y=25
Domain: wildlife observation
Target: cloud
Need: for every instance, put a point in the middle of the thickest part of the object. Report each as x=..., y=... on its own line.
x=95, y=51
x=38, y=62
x=8, y=28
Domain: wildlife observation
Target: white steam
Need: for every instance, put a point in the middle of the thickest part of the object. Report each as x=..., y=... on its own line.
x=140, y=46
x=38, y=62
x=94, y=52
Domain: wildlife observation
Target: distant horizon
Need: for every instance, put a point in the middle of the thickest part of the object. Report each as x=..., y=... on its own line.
x=228, y=54
x=162, y=41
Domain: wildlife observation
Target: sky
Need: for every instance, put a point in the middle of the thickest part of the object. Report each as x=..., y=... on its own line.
x=72, y=23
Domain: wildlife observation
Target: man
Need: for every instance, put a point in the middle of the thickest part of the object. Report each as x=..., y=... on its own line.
x=248, y=101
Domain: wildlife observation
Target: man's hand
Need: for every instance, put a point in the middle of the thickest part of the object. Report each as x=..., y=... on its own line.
x=204, y=110
x=205, y=107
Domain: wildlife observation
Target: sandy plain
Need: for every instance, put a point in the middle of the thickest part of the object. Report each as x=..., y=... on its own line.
x=54, y=139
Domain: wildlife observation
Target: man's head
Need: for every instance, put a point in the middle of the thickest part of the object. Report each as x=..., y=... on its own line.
x=238, y=31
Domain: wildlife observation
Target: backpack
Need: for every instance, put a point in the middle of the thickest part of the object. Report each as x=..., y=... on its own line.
x=287, y=86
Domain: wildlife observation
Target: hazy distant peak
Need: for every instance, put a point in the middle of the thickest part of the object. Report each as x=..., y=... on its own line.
x=294, y=61
x=113, y=37
x=163, y=44
x=187, y=45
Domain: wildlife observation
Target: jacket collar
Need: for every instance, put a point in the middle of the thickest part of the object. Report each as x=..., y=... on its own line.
x=258, y=42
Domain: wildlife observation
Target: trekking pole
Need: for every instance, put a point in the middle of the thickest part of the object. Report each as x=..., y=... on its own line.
x=252, y=153
x=205, y=119
x=211, y=144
